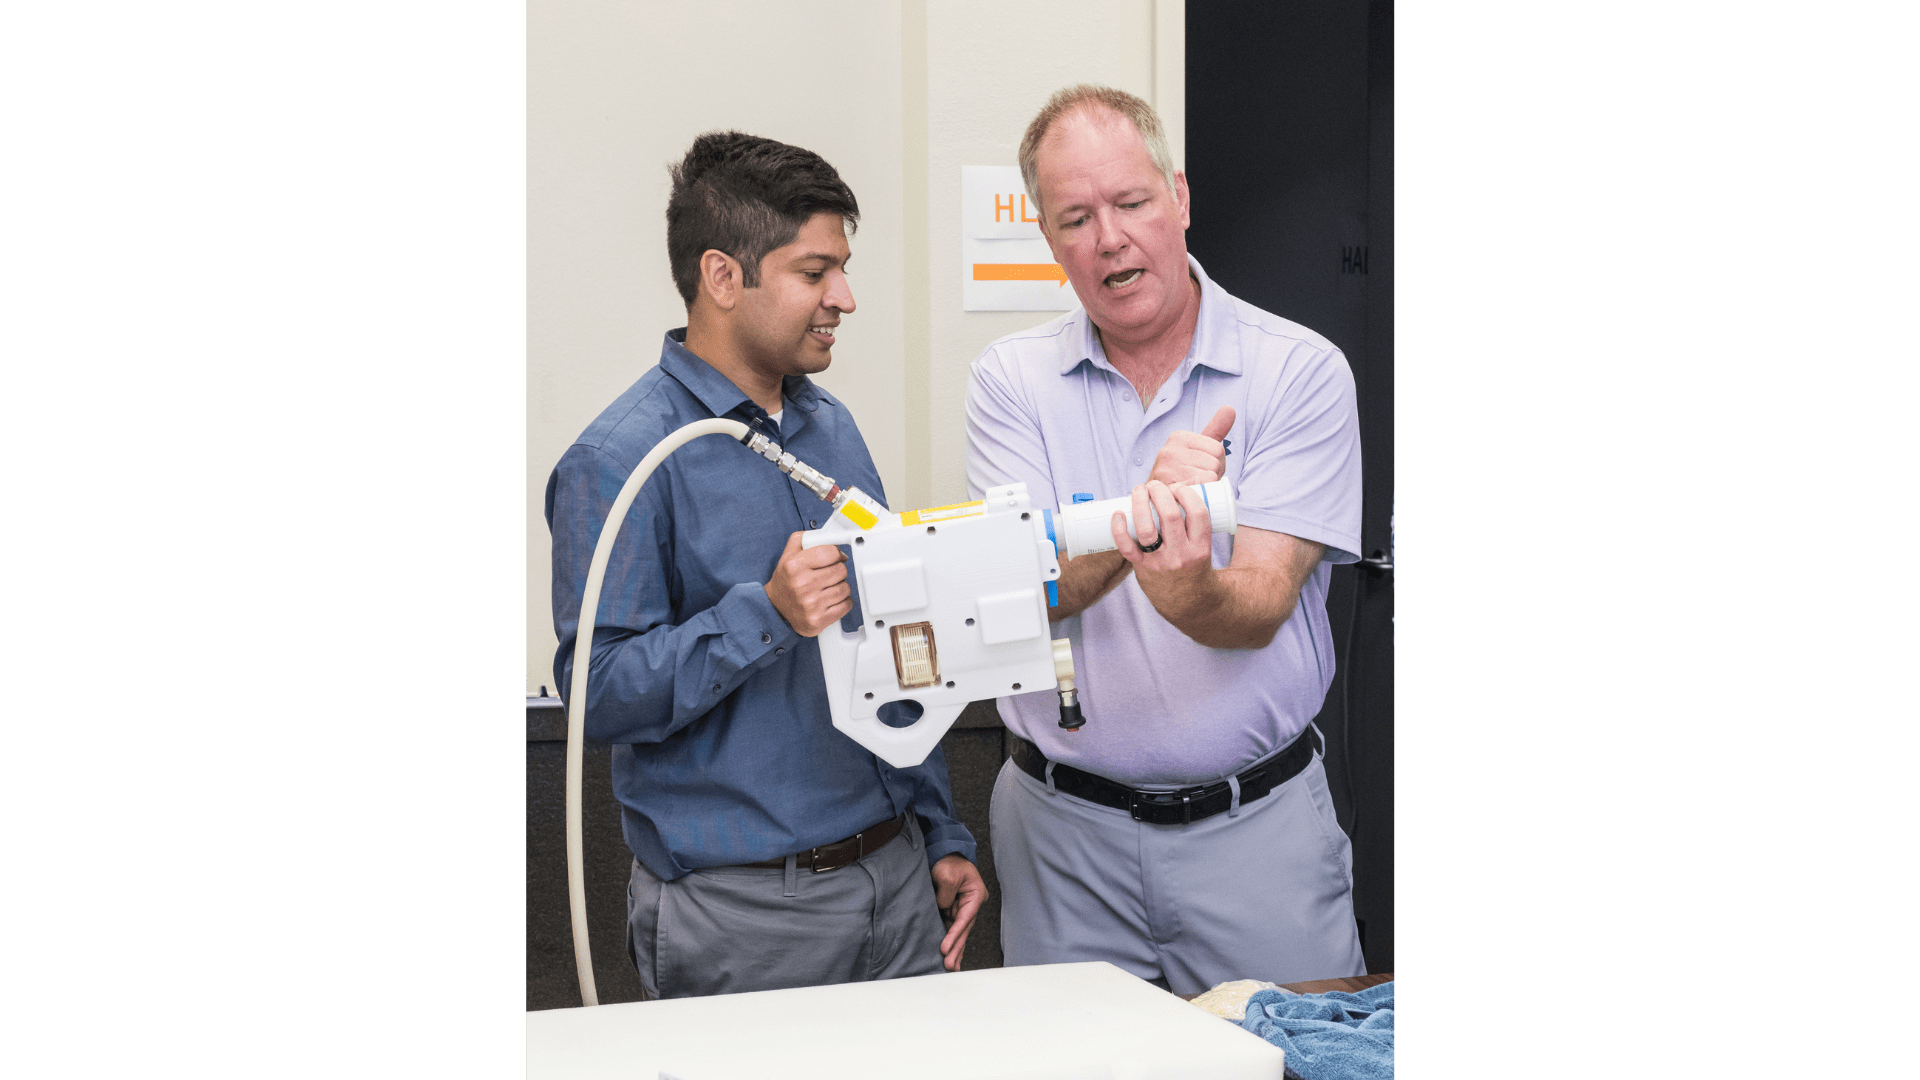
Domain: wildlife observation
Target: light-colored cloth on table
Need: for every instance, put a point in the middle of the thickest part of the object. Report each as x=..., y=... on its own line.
x=1229, y=999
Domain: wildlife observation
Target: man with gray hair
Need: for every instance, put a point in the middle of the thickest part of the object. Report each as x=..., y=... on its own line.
x=1186, y=833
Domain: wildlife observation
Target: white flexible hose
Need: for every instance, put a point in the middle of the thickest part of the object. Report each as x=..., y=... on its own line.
x=583, y=660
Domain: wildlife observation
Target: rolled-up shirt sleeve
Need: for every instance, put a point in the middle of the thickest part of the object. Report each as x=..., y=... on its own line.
x=933, y=803
x=650, y=677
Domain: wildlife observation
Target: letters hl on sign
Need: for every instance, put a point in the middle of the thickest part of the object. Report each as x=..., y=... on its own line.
x=1005, y=264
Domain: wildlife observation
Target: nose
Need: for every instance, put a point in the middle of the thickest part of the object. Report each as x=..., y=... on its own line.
x=839, y=294
x=1111, y=237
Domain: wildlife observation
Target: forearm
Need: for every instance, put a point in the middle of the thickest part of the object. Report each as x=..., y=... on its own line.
x=933, y=804
x=1239, y=606
x=1226, y=607
x=1084, y=580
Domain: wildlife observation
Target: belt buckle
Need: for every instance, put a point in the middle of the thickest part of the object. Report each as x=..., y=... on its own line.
x=859, y=847
x=1184, y=808
x=1137, y=800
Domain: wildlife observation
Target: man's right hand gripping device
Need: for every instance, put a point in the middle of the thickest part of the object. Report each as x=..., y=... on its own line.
x=953, y=608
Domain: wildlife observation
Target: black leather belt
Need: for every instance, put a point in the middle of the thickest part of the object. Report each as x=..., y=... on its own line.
x=841, y=852
x=1170, y=807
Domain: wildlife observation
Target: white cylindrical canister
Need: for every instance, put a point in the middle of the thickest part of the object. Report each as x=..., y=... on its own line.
x=1084, y=528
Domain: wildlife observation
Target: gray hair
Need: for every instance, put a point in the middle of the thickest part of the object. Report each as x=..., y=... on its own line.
x=1083, y=97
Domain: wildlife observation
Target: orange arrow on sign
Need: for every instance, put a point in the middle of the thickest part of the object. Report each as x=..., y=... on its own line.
x=1019, y=272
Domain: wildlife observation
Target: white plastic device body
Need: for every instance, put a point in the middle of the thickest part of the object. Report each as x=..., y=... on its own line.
x=956, y=593
x=1086, y=528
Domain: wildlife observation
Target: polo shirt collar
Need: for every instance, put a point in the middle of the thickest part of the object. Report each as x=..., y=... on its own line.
x=716, y=391
x=1211, y=333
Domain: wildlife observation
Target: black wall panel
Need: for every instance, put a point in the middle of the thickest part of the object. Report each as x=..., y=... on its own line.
x=1290, y=163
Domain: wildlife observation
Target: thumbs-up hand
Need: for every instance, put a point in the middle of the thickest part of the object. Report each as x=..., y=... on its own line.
x=1195, y=457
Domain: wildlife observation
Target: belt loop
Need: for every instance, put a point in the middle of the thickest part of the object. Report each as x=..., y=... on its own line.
x=1050, y=788
x=1319, y=740
x=1233, y=807
x=913, y=834
x=793, y=875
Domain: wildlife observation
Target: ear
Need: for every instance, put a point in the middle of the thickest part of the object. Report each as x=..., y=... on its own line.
x=720, y=278
x=1182, y=198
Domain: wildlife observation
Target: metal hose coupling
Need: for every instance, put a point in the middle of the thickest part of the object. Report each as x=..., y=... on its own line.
x=809, y=477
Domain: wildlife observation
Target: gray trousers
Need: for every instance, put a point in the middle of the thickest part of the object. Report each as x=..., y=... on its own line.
x=728, y=930
x=1266, y=893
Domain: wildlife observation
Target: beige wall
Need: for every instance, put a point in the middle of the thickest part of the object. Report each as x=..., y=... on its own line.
x=897, y=96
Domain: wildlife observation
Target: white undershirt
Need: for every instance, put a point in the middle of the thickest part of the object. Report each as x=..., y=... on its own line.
x=775, y=416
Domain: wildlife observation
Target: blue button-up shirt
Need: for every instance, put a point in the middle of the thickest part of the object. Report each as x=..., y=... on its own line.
x=724, y=745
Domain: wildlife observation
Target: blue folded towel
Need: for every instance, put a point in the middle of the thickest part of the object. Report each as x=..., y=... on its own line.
x=1331, y=1036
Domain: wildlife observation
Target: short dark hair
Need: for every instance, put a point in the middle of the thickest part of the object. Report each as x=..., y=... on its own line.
x=746, y=196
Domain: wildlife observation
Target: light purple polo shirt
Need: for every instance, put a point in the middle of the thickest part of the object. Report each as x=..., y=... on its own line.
x=1045, y=407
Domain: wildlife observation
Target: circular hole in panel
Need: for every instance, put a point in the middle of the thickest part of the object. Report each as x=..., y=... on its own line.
x=879, y=623
x=900, y=713
x=859, y=539
x=1016, y=686
x=1025, y=517
x=930, y=530
x=949, y=684
x=969, y=622
x=869, y=695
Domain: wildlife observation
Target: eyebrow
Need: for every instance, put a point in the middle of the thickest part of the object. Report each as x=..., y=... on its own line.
x=826, y=257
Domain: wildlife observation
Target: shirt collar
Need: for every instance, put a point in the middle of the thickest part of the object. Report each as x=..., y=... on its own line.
x=716, y=391
x=1211, y=332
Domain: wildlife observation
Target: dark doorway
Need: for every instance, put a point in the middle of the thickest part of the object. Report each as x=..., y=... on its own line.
x=1290, y=158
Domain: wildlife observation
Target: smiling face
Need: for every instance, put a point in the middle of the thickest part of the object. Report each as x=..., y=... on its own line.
x=784, y=326
x=1113, y=225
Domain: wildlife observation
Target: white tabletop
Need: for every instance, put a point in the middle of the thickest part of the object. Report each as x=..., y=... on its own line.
x=1056, y=1021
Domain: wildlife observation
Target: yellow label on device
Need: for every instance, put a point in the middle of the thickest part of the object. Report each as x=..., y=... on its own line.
x=942, y=513
x=859, y=515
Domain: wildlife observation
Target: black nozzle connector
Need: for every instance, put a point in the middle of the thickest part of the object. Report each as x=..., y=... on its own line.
x=1070, y=717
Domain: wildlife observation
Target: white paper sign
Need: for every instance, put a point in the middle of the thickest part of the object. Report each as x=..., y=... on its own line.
x=994, y=205
x=1005, y=262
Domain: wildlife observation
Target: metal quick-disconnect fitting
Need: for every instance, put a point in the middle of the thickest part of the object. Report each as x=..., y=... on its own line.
x=809, y=477
x=763, y=446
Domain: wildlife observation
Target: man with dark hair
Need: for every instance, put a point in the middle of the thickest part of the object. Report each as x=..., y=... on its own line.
x=1184, y=834
x=770, y=850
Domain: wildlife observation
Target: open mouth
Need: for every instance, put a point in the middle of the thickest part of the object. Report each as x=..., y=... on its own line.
x=1124, y=278
x=822, y=333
